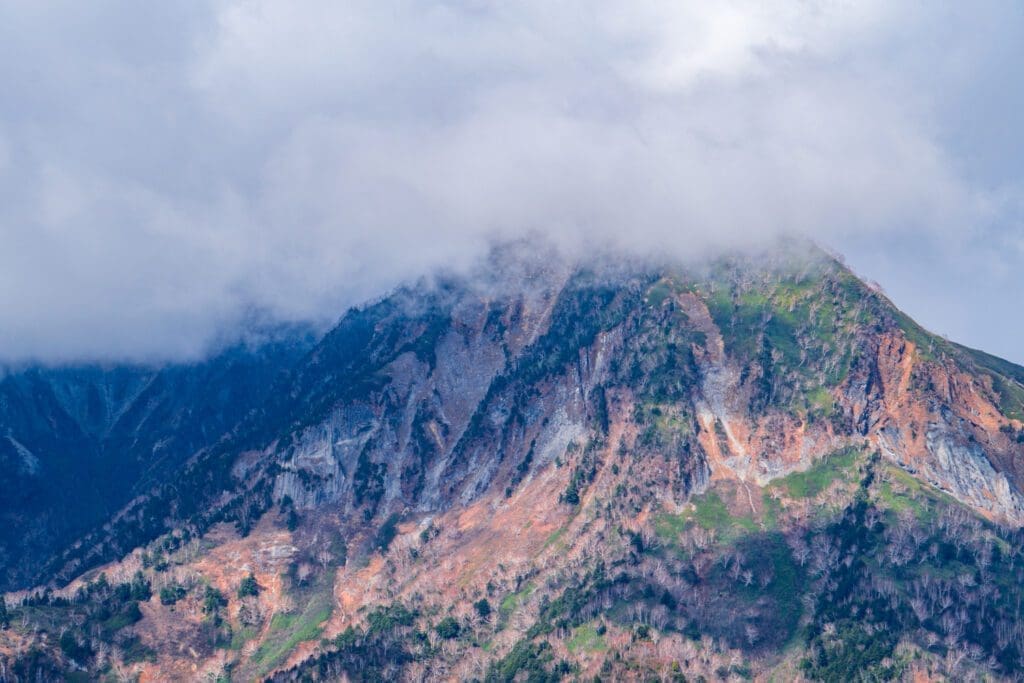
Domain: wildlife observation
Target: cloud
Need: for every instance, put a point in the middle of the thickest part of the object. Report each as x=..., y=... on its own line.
x=165, y=172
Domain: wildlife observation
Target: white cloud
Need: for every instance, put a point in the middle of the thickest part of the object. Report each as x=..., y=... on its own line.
x=176, y=171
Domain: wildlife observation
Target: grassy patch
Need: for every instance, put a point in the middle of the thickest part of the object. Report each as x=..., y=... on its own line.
x=901, y=491
x=927, y=343
x=710, y=512
x=813, y=481
x=669, y=527
x=820, y=400
x=586, y=639
x=887, y=498
x=242, y=636
x=287, y=630
x=513, y=600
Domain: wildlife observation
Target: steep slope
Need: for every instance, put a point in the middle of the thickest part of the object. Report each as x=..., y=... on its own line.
x=79, y=442
x=610, y=470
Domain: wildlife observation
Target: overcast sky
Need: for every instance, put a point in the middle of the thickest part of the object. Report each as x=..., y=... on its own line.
x=168, y=169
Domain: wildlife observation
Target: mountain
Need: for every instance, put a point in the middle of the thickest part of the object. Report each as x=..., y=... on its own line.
x=747, y=468
x=77, y=443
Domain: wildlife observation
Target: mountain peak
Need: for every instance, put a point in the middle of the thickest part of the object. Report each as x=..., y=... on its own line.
x=470, y=440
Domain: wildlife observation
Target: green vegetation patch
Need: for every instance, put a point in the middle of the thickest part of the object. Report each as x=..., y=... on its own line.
x=586, y=639
x=928, y=344
x=287, y=630
x=669, y=527
x=709, y=512
x=242, y=636
x=820, y=400
x=811, y=482
x=513, y=600
x=899, y=491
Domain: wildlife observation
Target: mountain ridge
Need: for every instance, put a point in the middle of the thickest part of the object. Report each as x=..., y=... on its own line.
x=596, y=403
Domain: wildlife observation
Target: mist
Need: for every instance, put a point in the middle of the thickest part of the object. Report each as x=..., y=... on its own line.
x=171, y=172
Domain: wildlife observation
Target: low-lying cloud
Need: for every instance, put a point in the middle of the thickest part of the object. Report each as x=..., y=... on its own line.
x=168, y=171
